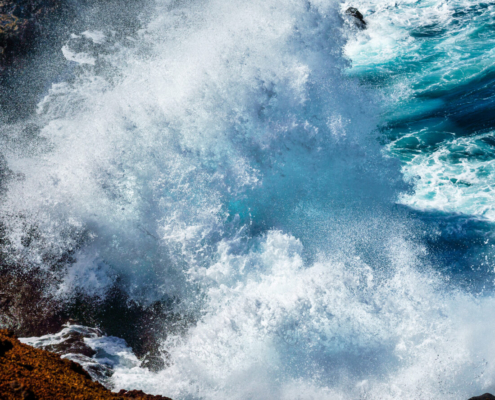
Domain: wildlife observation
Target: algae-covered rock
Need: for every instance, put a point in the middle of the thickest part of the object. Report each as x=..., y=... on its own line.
x=30, y=373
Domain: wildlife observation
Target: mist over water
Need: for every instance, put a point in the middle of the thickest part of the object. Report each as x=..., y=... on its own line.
x=230, y=155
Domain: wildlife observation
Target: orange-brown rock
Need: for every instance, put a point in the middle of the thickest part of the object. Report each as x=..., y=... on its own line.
x=33, y=374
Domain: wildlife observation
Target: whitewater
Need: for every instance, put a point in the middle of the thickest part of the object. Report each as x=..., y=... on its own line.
x=317, y=197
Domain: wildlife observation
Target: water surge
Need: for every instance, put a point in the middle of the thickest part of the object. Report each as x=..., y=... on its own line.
x=232, y=156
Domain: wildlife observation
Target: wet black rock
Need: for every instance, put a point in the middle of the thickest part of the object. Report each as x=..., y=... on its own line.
x=21, y=21
x=486, y=396
x=71, y=341
x=154, y=361
x=144, y=326
x=357, y=16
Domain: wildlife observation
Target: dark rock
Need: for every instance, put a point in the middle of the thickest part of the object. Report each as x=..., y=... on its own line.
x=99, y=372
x=21, y=23
x=143, y=326
x=153, y=361
x=72, y=343
x=139, y=394
x=358, y=17
x=5, y=346
x=25, y=307
x=27, y=394
x=486, y=396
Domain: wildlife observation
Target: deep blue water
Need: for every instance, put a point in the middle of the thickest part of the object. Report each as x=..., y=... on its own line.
x=319, y=197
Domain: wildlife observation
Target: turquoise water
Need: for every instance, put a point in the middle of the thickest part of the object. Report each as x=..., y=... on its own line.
x=435, y=63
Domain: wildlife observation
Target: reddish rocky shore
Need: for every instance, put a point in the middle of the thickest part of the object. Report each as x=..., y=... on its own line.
x=34, y=374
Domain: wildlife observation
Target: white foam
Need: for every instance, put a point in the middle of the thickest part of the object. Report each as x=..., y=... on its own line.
x=97, y=37
x=333, y=329
x=456, y=178
x=150, y=158
x=80, y=58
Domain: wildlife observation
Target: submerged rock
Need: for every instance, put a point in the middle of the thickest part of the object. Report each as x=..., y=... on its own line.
x=153, y=361
x=30, y=373
x=486, y=396
x=357, y=16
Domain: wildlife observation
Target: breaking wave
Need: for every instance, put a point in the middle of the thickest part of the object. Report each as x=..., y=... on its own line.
x=230, y=155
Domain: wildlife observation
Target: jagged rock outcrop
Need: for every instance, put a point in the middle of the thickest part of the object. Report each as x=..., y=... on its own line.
x=34, y=374
x=357, y=17
x=29, y=307
x=70, y=344
x=20, y=22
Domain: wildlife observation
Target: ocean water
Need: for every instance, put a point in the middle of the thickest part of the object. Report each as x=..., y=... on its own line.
x=319, y=197
x=436, y=60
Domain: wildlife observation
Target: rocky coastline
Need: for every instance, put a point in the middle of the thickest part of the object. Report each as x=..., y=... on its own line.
x=35, y=374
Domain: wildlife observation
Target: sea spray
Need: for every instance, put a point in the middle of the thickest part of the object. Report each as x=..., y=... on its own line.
x=196, y=135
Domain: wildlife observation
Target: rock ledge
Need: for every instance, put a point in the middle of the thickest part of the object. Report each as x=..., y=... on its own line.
x=33, y=374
